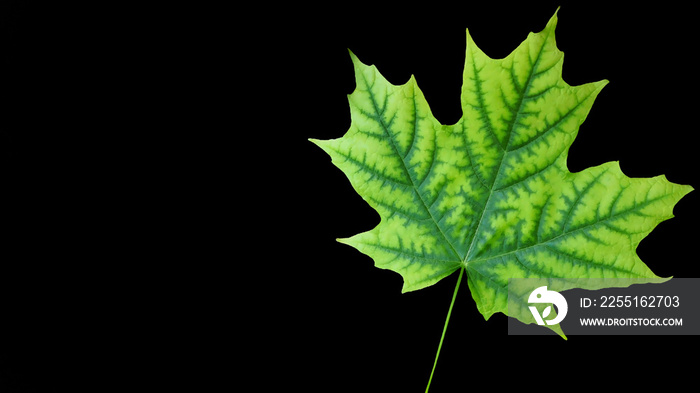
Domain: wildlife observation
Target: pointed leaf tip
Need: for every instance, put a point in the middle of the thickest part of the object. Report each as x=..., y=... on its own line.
x=552, y=23
x=355, y=60
x=317, y=142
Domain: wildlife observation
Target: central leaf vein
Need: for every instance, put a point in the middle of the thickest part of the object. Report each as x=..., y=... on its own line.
x=511, y=127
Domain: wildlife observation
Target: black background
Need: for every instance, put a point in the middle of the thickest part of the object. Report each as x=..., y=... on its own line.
x=166, y=212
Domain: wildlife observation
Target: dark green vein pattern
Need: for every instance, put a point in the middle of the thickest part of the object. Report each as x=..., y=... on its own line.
x=492, y=193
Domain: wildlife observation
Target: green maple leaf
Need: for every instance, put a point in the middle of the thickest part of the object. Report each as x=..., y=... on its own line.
x=491, y=196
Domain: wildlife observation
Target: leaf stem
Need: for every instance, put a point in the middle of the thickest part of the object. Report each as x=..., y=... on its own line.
x=444, y=329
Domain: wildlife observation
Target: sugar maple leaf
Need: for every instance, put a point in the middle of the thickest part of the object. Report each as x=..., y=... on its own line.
x=491, y=196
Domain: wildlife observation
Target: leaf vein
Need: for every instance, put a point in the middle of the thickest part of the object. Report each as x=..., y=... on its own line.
x=408, y=175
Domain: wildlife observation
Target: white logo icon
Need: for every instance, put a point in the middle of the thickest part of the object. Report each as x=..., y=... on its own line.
x=542, y=295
